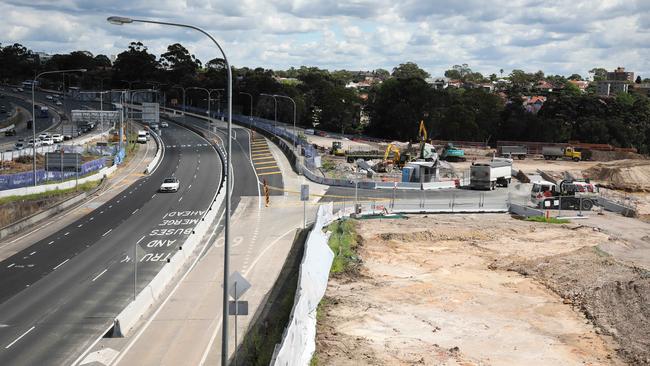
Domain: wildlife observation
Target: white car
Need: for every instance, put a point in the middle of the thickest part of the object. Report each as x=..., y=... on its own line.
x=164, y=124
x=31, y=143
x=170, y=185
x=57, y=138
x=49, y=97
x=43, y=136
x=58, y=102
x=48, y=141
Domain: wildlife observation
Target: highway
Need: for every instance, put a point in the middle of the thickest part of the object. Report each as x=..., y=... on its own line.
x=62, y=292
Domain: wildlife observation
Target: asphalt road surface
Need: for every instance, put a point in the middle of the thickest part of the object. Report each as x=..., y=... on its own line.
x=61, y=293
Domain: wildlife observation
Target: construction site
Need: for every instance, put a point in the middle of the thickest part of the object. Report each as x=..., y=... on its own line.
x=491, y=289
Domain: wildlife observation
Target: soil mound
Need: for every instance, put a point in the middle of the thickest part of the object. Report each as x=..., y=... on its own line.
x=628, y=175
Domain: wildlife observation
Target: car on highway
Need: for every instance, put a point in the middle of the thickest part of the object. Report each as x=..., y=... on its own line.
x=58, y=102
x=48, y=97
x=43, y=136
x=19, y=145
x=21, y=90
x=170, y=185
x=164, y=124
x=31, y=143
x=48, y=141
x=57, y=137
x=11, y=132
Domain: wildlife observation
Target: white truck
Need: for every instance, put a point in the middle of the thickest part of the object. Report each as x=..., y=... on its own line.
x=489, y=175
x=142, y=137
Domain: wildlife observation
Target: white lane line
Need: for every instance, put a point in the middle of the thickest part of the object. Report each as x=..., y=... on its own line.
x=60, y=264
x=66, y=234
x=32, y=253
x=111, y=206
x=50, y=243
x=11, y=265
x=91, y=219
x=138, y=242
x=194, y=176
x=136, y=210
x=118, y=201
x=80, y=225
x=154, y=195
x=17, y=339
x=99, y=275
x=190, y=186
x=180, y=199
x=101, y=212
x=106, y=233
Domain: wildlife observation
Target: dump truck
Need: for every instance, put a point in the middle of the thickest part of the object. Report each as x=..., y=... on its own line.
x=512, y=152
x=558, y=152
x=570, y=194
x=337, y=149
x=490, y=175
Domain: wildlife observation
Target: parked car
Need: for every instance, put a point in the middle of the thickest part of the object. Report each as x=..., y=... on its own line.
x=170, y=185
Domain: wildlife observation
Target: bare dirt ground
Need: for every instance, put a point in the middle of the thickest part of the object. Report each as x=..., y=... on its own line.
x=485, y=290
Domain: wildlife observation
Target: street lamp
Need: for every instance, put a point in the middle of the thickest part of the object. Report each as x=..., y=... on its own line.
x=34, y=113
x=250, y=118
x=226, y=257
x=101, y=106
x=183, y=89
x=294, y=115
x=218, y=100
x=207, y=91
x=275, y=104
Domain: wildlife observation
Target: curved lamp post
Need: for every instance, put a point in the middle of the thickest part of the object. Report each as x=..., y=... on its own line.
x=209, y=101
x=34, y=113
x=226, y=257
x=250, y=118
x=275, y=105
x=294, y=115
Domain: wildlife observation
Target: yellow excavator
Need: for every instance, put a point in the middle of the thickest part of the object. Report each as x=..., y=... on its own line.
x=388, y=163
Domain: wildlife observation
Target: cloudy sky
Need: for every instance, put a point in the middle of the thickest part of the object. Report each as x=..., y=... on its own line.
x=556, y=36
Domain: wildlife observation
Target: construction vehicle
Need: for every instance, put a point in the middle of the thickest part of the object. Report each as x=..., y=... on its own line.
x=387, y=164
x=512, y=152
x=558, y=152
x=570, y=194
x=490, y=175
x=451, y=153
x=337, y=149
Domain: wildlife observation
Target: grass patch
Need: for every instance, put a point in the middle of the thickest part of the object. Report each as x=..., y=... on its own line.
x=328, y=165
x=550, y=220
x=343, y=243
x=49, y=194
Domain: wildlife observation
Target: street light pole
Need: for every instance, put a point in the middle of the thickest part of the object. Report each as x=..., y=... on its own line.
x=183, y=89
x=207, y=91
x=294, y=115
x=226, y=257
x=34, y=113
x=275, y=104
x=218, y=100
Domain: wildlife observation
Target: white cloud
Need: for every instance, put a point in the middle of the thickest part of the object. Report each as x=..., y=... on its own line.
x=556, y=36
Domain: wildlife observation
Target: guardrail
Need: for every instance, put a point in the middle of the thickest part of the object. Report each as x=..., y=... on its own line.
x=160, y=151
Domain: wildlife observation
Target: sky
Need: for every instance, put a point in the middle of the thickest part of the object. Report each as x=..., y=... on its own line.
x=558, y=37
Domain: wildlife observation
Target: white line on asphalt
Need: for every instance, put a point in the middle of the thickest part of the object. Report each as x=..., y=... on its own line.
x=101, y=212
x=32, y=253
x=80, y=225
x=17, y=339
x=180, y=199
x=11, y=265
x=66, y=234
x=60, y=264
x=136, y=210
x=190, y=186
x=194, y=176
x=91, y=219
x=99, y=275
x=50, y=243
x=138, y=242
x=154, y=195
x=106, y=233
x=118, y=201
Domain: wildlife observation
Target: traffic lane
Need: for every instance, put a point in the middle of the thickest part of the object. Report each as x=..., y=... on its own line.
x=27, y=266
x=66, y=318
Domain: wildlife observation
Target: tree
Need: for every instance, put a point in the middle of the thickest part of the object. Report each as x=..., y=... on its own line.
x=136, y=63
x=501, y=72
x=102, y=61
x=575, y=77
x=453, y=74
x=382, y=74
x=409, y=70
x=598, y=73
x=179, y=64
x=638, y=80
x=16, y=63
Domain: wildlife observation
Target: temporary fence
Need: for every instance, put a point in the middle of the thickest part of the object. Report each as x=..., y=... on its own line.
x=298, y=341
x=24, y=179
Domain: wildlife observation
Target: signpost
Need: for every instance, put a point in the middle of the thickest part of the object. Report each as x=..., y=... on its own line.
x=237, y=286
x=304, y=197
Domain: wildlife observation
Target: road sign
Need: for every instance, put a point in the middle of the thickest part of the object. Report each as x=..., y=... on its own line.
x=237, y=282
x=304, y=192
x=241, y=307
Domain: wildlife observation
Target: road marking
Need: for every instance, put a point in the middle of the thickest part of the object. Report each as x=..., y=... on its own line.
x=111, y=206
x=266, y=167
x=190, y=186
x=195, y=176
x=80, y=225
x=118, y=201
x=270, y=173
x=180, y=199
x=32, y=253
x=106, y=233
x=101, y=212
x=263, y=158
x=66, y=234
x=154, y=195
x=11, y=265
x=50, y=243
x=17, y=339
x=99, y=275
x=60, y=264
x=138, y=242
x=136, y=210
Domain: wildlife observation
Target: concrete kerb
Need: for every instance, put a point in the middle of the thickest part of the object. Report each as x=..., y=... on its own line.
x=159, y=154
x=127, y=318
x=524, y=211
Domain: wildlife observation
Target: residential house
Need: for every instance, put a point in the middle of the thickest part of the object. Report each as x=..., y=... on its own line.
x=534, y=103
x=618, y=81
x=438, y=83
x=582, y=85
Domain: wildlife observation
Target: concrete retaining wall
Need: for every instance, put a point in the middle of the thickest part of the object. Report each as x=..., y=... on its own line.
x=610, y=205
x=524, y=210
x=160, y=149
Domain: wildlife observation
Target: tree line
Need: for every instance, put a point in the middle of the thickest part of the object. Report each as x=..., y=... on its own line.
x=394, y=103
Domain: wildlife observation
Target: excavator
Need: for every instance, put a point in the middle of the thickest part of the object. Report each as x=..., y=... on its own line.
x=387, y=164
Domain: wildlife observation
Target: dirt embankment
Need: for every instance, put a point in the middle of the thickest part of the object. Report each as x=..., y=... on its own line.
x=483, y=290
x=626, y=175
